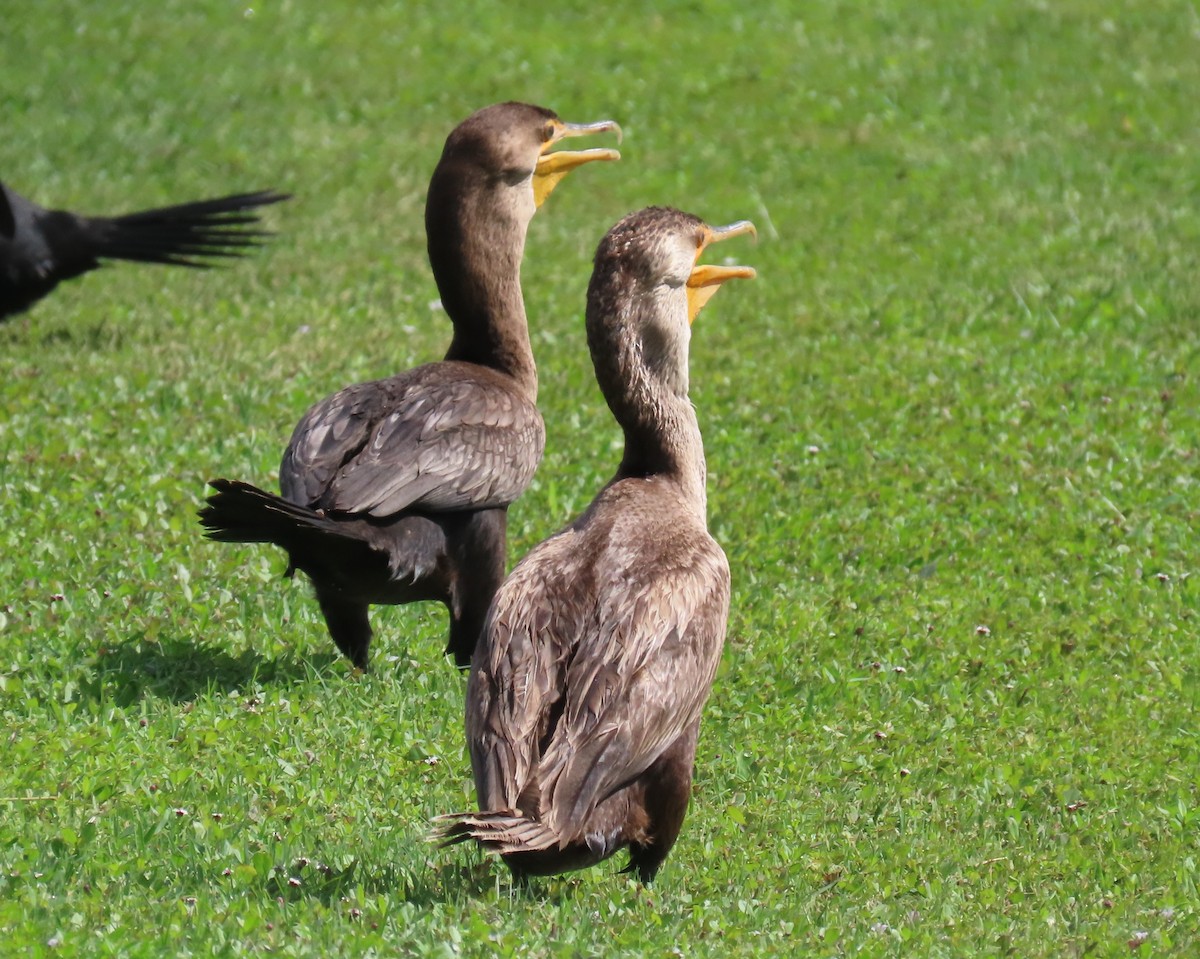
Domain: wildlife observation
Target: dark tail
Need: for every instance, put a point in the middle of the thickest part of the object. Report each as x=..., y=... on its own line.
x=504, y=832
x=187, y=234
x=241, y=513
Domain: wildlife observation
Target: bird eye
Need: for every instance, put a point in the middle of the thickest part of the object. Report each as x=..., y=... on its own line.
x=549, y=133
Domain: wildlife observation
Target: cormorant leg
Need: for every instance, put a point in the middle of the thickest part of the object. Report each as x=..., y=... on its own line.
x=466, y=627
x=668, y=789
x=477, y=549
x=348, y=625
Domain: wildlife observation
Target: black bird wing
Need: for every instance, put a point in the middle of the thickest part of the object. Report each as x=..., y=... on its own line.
x=442, y=437
x=40, y=248
x=187, y=234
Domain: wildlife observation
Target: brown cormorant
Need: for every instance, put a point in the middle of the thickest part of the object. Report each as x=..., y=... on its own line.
x=397, y=490
x=599, y=650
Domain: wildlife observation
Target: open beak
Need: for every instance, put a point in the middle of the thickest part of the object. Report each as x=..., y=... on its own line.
x=707, y=278
x=552, y=167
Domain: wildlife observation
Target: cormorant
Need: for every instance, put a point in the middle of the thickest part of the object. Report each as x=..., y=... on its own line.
x=599, y=650
x=397, y=490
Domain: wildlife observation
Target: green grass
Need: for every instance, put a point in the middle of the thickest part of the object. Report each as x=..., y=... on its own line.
x=952, y=432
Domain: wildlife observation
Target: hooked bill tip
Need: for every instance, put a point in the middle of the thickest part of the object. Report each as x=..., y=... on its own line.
x=600, y=126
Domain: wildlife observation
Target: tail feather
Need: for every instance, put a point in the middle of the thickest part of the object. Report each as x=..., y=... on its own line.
x=240, y=513
x=502, y=832
x=187, y=233
x=344, y=551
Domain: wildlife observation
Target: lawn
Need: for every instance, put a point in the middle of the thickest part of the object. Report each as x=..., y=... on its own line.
x=953, y=433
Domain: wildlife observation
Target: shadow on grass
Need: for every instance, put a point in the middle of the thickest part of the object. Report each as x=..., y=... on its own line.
x=180, y=671
x=477, y=879
x=329, y=885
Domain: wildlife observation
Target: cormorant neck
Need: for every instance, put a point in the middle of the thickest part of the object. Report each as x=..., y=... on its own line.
x=476, y=242
x=646, y=386
x=667, y=443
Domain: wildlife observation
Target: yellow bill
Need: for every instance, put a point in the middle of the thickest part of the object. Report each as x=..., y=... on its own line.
x=707, y=278
x=552, y=167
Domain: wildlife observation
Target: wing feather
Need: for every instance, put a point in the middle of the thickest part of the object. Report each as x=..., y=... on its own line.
x=446, y=436
x=636, y=686
x=516, y=679
x=618, y=659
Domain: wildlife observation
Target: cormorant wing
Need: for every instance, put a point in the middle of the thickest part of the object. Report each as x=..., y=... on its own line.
x=517, y=676
x=638, y=683
x=635, y=654
x=431, y=438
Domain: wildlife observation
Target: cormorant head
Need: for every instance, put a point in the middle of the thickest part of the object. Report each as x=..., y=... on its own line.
x=510, y=144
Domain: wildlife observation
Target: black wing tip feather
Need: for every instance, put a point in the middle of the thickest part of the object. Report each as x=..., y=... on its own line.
x=220, y=206
x=187, y=233
x=229, y=491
